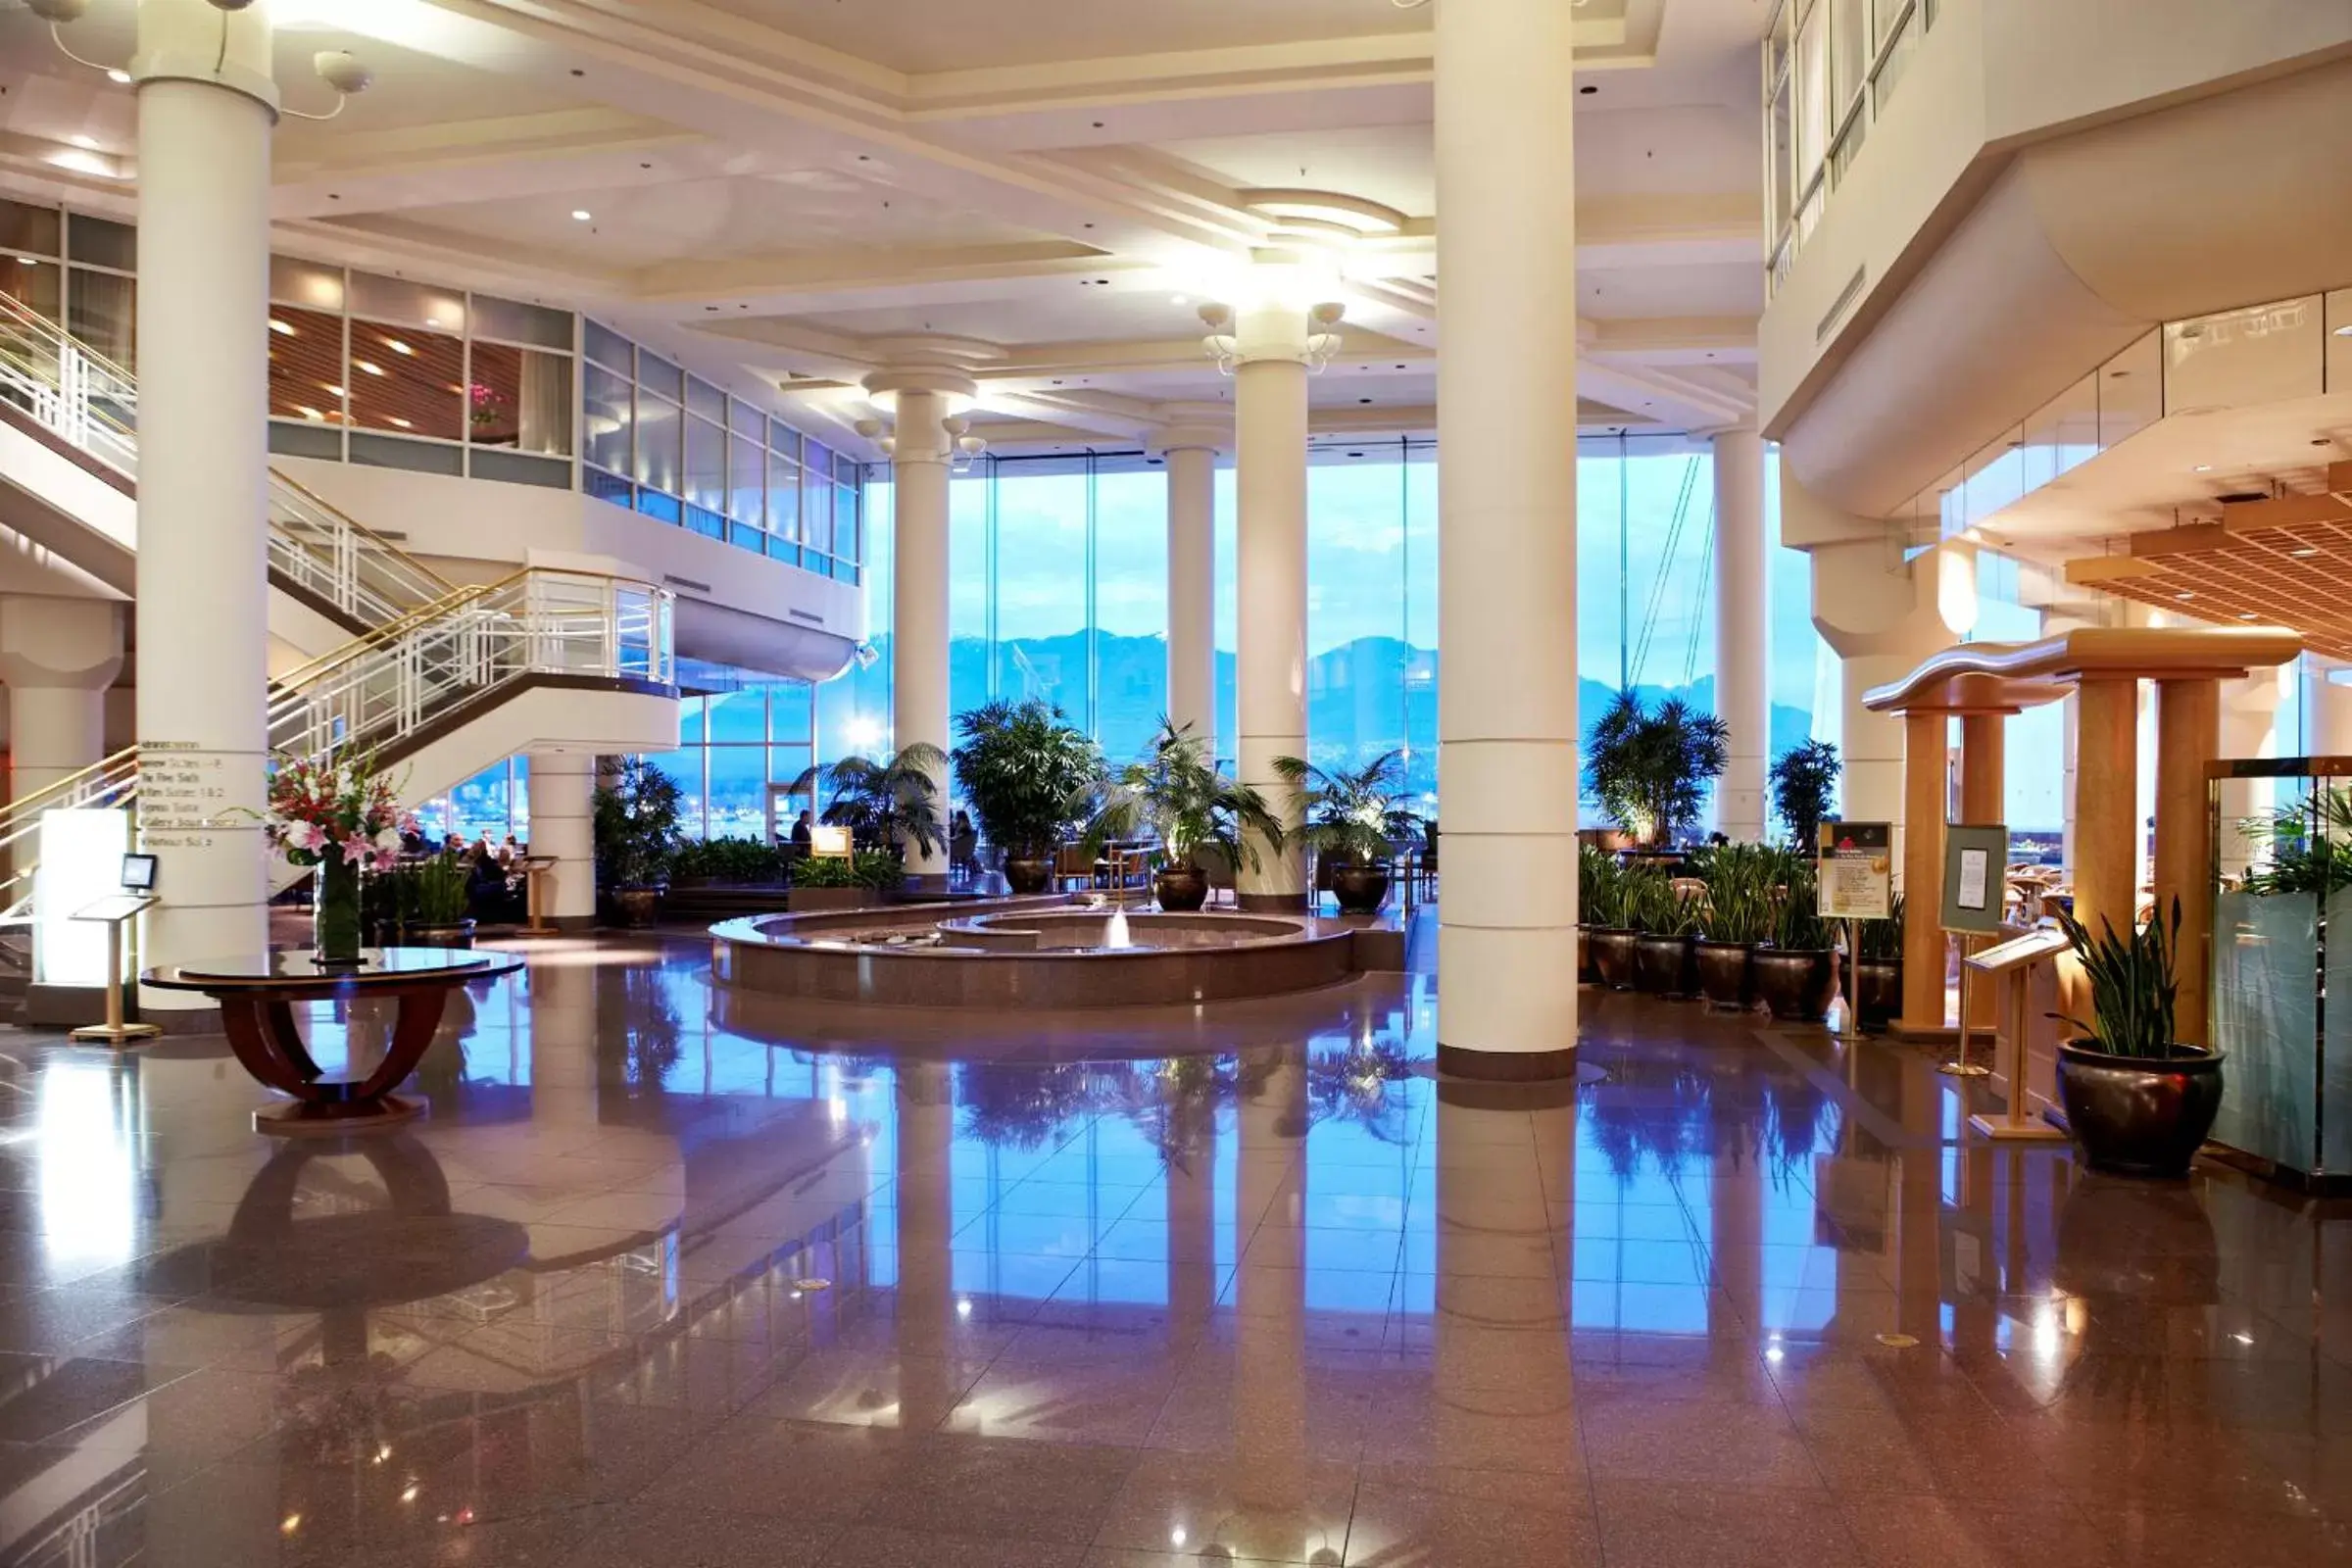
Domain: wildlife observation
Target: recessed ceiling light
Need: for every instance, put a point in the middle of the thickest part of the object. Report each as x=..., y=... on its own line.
x=84, y=141
x=1586, y=91
x=2184, y=596
x=397, y=346
x=2245, y=614
x=309, y=413
x=2345, y=331
x=281, y=328
x=2306, y=552
x=118, y=77
x=334, y=389
x=1176, y=298
x=369, y=366
x=27, y=261
x=2202, y=468
x=581, y=213
x=394, y=418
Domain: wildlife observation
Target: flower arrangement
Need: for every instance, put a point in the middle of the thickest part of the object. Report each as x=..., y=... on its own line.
x=343, y=810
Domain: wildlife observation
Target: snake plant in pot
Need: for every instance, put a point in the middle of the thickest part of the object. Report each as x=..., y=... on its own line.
x=2138, y=1099
x=1666, y=952
x=1878, y=967
x=1597, y=872
x=1794, y=976
x=1736, y=917
x=1350, y=816
x=1177, y=792
x=1609, y=928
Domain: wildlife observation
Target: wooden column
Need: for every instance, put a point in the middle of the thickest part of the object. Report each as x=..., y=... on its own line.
x=2106, y=815
x=1984, y=776
x=1925, y=758
x=2188, y=735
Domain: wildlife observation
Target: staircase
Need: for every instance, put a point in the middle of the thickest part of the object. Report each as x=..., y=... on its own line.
x=415, y=666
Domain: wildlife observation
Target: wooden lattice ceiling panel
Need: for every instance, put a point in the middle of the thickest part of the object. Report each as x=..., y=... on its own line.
x=2279, y=563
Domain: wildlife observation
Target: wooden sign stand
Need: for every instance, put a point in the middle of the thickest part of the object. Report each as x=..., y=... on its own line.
x=2016, y=957
x=114, y=914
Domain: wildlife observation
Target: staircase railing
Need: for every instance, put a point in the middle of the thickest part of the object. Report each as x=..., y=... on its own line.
x=90, y=401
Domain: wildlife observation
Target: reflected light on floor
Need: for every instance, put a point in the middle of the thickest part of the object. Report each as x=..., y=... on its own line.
x=88, y=1170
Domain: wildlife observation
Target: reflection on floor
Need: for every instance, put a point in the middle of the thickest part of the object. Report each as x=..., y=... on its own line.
x=648, y=1288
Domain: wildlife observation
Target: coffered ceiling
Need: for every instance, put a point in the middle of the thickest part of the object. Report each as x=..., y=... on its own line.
x=775, y=188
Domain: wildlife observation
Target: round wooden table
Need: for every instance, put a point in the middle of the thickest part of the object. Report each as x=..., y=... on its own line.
x=256, y=993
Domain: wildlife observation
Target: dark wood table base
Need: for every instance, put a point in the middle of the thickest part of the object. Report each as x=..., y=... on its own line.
x=262, y=1032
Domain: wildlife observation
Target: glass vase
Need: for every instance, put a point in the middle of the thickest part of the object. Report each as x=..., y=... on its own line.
x=335, y=912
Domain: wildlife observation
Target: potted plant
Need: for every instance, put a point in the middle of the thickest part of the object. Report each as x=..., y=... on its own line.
x=1878, y=967
x=1615, y=901
x=1179, y=795
x=726, y=862
x=844, y=881
x=1596, y=876
x=636, y=824
x=1352, y=817
x=1026, y=774
x=1665, y=948
x=2138, y=1099
x=343, y=819
x=1736, y=916
x=886, y=805
x=1805, y=784
x=1794, y=976
x=1650, y=769
x=441, y=899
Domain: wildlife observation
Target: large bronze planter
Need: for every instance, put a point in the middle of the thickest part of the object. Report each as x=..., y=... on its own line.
x=1584, y=972
x=1613, y=957
x=1725, y=977
x=637, y=906
x=1360, y=889
x=2136, y=1115
x=1026, y=875
x=1181, y=889
x=1795, y=984
x=1666, y=966
x=460, y=935
x=1880, y=984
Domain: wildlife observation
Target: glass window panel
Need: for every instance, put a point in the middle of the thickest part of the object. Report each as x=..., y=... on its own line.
x=31, y=284
x=305, y=365
x=785, y=764
x=609, y=348
x=402, y=303
x=26, y=228
x=102, y=310
x=1041, y=619
x=1421, y=623
x=313, y=285
x=685, y=769
x=101, y=242
x=606, y=403
x=521, y=399
x=690, y=720
x=853, y=709
x=745, y=420
x=399, y=452
x=816, y=513
x=706, y=400
x=816, y=459
x=1227, y=615
x=421, y=392
x=511, y=320
x=738, y=792
x=747, y=464
x=737, y=715
x=1812, y=95
x=611, y=487
x=844, y=522
x=1851, y=44
x=484, y=803
x=971, y=580
x=783, y=496
x=1354, y=608
x=790, y=713
x=782, y=437
x=705, y=464
x=653, y=503
x=659, y=438
x=1131, y=605
x=657, y=376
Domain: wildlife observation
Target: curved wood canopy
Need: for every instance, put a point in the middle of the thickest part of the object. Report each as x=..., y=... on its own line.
x=2004, y=677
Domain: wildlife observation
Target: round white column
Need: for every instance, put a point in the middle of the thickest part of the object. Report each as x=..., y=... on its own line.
x=206, y=111
x=918, y=630
x=1741, y=593
x=1269, y=395
x=1192, y=463
x=1507, y=544
x=563, y=796
x=2327, y=710
x=58, y=656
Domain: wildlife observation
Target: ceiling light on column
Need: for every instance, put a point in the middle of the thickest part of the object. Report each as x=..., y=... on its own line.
x=964, y=447
x=1221, y=343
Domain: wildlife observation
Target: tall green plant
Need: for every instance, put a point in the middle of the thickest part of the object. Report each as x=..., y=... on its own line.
x=636, y=824
x=890, y=804
x=442, y=888
x=2306, y=845
x=1177, y=795
x=1805, y=784
x=1797, y=922
x=1650, y=769
x=1351, y=814
x=1655, y=909
x=1599, y=888
x=1882, y=940
x=1025, y=771
x=2132, y=985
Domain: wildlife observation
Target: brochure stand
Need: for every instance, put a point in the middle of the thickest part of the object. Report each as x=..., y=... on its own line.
x=2015, y=958
x=114, y=914
x=536, y=868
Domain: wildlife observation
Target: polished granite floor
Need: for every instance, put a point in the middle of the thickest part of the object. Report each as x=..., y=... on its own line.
x=658, y=1283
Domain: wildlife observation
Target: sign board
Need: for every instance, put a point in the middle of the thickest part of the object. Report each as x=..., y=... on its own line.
x=2031, y=947
x=828, y=842
x=81, y=858
x=1857, y=871
x=1976, y=877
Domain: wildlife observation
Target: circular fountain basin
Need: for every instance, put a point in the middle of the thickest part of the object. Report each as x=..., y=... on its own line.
x=1039, y=953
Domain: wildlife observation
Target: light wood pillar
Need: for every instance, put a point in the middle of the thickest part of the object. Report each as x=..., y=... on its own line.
x=2106, y=816
x=1925, y=759
x=2188, y=735
x=1983, y=778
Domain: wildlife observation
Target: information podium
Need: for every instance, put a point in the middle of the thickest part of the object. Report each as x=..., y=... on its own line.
x=2014, y=959
x=114, y=914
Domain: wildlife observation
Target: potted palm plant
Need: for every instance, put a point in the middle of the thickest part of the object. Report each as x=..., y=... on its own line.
x=890, y=804
x=1026, y=774
x=1353, y=817
x=1177, y=792
x=1794, y=976
x=1650, y=768
x=2138, y=1099
x=1665, y=952
x=440, y=893
x=1615, y=900
x=636, y=827
x=1804, y=781
x=1878, y=967
x=1736, y=916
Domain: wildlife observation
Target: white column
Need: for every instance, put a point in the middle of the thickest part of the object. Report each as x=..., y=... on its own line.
x=1507, y=545
x=2249, y=728
x=1871, y=782
x=1269, y=396
x=563, y=798
x=1192, y=463
x=918, y=628
x=2327, y=710
x=206, y=111
x=58, y=656
x=1741, y=696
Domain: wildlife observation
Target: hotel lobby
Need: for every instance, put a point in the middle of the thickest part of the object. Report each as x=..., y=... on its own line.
x=1321, y=783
